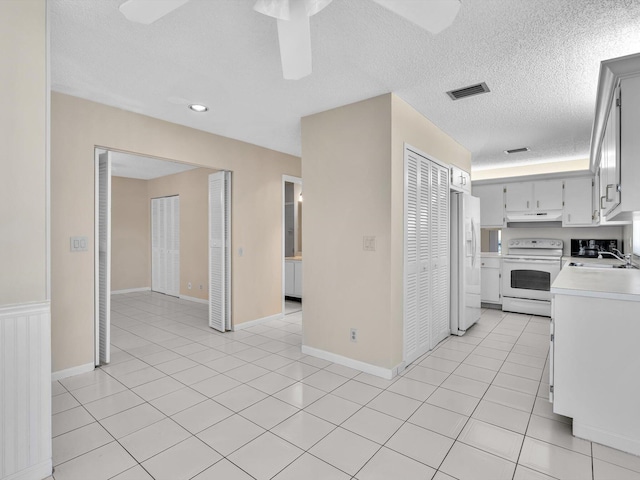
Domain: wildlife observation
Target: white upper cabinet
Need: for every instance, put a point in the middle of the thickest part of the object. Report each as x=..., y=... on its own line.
x=518, y=197
x=578, y=202
x=547, y=195
x=491, y=205
x=615, y=143
x=460, y=180
x=542, y=195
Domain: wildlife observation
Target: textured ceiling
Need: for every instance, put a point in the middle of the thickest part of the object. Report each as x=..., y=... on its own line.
x=539, y=58
x=144, y=168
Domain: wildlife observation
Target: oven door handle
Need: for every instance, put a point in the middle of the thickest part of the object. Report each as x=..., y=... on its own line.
x=537, y=262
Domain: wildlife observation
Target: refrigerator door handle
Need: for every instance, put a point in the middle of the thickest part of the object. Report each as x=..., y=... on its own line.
x=473, y=243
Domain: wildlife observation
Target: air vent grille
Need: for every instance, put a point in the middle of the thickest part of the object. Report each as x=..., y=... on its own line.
x=468, y=91
x=517, y=150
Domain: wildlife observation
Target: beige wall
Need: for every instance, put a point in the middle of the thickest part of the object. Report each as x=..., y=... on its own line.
x=193, y=188
x=353, y=170
x=77, y=126
x=23, y=189
x=347, y=195
x=535, y=169
x=130, y=237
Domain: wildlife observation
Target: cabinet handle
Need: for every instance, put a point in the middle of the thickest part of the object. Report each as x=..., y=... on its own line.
x=569, y=217
x=611, y=185
x=538, y=204
x=602, y=198
x=527, y=203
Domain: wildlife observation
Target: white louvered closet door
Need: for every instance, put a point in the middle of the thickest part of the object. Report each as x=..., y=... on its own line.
x=220, y=251
x=104, y=259
x=165, y=245
x=412, y=264
x=440, y=326
x=426, y=293
x=172, y=235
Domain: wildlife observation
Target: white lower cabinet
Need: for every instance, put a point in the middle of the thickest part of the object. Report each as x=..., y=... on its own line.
x=593, y=369
x=491, y=280
x=293, y=278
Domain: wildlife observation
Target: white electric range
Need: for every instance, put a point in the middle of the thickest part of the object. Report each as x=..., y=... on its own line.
x=528, y=271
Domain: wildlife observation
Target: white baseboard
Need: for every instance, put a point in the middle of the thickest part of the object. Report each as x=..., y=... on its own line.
x=609, y=439
x=258, y=321
x=69, y=372
x=34, y=472
x=194, y=299
x=131, y=290
x=387, y=373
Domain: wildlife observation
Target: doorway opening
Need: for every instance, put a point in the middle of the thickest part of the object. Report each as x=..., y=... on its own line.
x=292, y=201
x=152, y=234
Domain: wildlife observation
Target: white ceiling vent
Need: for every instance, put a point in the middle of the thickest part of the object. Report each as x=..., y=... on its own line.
x=517, y=150
x=468, y=91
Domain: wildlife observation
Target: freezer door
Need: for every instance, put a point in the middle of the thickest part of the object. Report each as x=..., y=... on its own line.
x=470, y=263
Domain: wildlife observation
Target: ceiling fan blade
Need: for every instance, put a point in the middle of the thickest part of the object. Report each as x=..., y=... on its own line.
x=432, y=15
x=273, y=8
x=314, y=6
x=148, y=11
x=294, y=36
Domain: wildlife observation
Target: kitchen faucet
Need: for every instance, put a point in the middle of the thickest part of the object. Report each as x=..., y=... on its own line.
x=626, y=259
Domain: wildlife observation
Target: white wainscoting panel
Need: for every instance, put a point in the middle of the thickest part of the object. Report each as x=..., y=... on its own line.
x=25, y=391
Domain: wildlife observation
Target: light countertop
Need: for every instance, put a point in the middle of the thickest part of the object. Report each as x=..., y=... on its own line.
x=612, y=283
x=297, y=257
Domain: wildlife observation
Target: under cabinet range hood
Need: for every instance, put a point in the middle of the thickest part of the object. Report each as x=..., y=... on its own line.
x=551, y=218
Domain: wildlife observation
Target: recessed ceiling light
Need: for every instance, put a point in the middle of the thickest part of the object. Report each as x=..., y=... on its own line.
x=517, y=150
x=198, y=108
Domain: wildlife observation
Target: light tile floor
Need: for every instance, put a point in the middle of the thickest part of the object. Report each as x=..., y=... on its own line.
x=181, y=401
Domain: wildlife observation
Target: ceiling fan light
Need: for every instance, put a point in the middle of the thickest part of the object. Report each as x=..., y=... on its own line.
x=273, y=8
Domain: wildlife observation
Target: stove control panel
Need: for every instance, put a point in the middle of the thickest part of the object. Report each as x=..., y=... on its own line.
x=542, y=243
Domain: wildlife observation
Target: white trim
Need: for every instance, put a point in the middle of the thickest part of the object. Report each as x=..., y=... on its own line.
x=610, y=439
x=296, y=180
x=194, y=299
x=47, y=159
x=69, y=372
x=258, y=321
x=39, y=470
x=25, y=309
x=131, y=290
x=96, y=255
x=387, y=373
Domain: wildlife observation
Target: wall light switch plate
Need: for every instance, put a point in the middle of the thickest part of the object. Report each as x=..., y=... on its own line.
x=79, y=244
x=369, y=244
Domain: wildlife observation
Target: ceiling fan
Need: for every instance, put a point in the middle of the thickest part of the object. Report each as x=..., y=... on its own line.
x=294, y=32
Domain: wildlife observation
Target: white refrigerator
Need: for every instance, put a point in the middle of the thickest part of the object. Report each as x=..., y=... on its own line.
x=465, y=262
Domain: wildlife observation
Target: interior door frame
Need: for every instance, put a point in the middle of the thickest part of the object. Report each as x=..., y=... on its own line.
x=96, y=224
x=298, y=181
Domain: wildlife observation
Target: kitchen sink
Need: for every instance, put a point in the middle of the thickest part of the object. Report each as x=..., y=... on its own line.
x=595, y=265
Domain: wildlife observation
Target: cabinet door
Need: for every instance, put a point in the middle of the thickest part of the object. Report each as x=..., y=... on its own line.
x=577, y=202
x=491, y=204
x=519, y=197
x=460, y=180
x=297, y=276
x=609, y=161
x=289, y=278
x=490, y=285
x=547, y=195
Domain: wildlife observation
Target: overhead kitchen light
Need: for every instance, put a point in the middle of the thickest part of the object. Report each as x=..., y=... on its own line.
x=517, y=150
x=196, y=107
